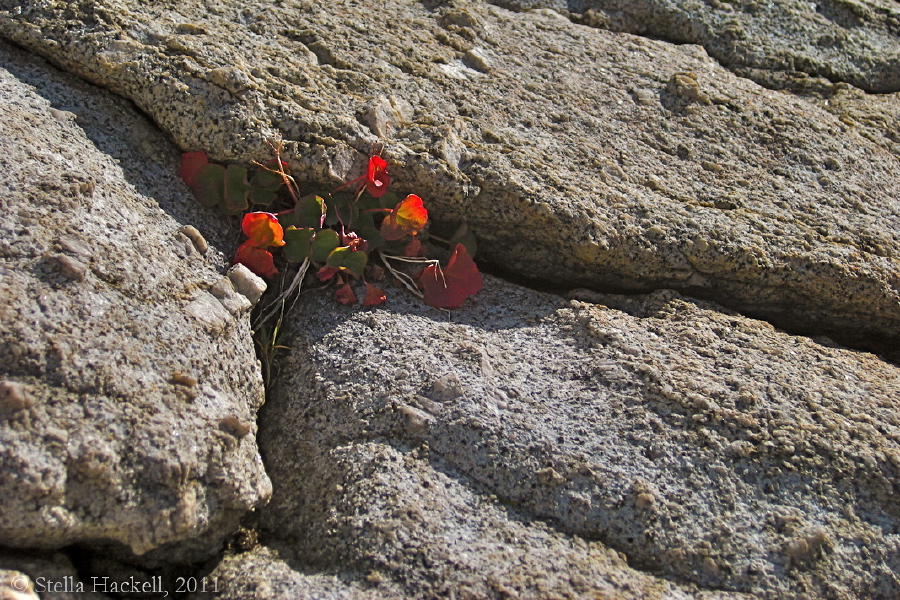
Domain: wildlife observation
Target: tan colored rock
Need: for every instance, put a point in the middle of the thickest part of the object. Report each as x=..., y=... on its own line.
x=851, y=41
x=100, y=441
x=758, y=200
x=705, y=446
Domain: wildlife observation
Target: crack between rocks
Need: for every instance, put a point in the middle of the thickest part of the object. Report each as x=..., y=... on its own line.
x=632, y=563
x=739, y=71
x=517, y=279
x=883, y=349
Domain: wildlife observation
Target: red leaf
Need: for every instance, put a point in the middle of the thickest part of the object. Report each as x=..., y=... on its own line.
x=407, y=218
x=345, y=295
x=448, y=288
x=191, y=162
x=374, y=295
x=257, y=259
x=326, y=273
x=263, y=229
x=377, y=178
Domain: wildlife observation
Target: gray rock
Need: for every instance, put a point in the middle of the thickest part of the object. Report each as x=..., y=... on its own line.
x=44, y=576
x=436, y=449
x=265, y=573
x=853, y=41
x=247, y=283
x=873, y=116
x=649, y=446
x=115, y=401
x=577, y=156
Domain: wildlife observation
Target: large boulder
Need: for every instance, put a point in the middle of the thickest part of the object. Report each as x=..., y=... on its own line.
x=128, y=391
x=479, y=451
x=578, y=156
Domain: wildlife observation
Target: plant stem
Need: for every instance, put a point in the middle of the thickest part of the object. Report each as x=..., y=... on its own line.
x=295, y=284
x=403, y=278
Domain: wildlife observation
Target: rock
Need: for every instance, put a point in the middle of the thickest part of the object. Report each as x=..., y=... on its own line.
x=48, y=576
x=643, y=446
x=247, y=283
x=577, y=156
x=706, y=447
x=264, y=573
x=841, y=40
x=111, y=394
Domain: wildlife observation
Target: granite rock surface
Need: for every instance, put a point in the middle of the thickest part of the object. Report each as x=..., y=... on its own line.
x=123, y=382
x=650, y=445
x=705, y=446
x=578, y=156
x=852, y=41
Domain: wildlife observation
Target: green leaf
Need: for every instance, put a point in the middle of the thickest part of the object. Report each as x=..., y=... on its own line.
x=309, y=211
x=356, y=262
x=209, y=184
x=297, y=243
x=288, y=219
x=367, y=202
x=365, y=228
x=323, y=244
x=341, y=209
x=389, y=200
x=266, y=179
x=236, y=188
x=345, y=258
x=262, y=196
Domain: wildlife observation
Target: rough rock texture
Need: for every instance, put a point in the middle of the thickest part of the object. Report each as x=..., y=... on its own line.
x=265, y=573
x=124, y=384
x=874, y=116
x=651, y=446
x=705, y=446
x=577, y=155
x=43, y=576
x=855, y=41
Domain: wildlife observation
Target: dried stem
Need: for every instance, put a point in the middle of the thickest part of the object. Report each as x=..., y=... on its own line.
x=294, y=286
x=402, y=277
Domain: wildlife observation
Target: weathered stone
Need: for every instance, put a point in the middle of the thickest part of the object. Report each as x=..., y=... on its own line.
x=47, y=576
x=247, y=283
x=103, y=440
x=853, y=41
x=525, y=446
x=705, y=446
x=581, y=157
x=267, y=574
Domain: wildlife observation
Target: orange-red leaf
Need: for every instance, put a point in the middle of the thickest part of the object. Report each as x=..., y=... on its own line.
x=263, y=229
x=259, y=260
x=374, y=295
x=326, y=273
x=345, y=295
x=377, y=178
x=191, y=163
x=448, y=288
x=407, y=218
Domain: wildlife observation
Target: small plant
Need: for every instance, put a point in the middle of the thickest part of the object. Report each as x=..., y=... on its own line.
x=336, y=233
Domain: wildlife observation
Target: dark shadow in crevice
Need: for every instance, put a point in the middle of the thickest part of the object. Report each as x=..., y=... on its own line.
x=885, y=347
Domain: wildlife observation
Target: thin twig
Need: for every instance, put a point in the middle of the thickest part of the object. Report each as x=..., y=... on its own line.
x=412, y=259
x=403, y=278
x=295, y=284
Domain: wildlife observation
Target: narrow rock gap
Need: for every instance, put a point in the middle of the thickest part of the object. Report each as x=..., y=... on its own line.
x=769, y=78
x=884, y=348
